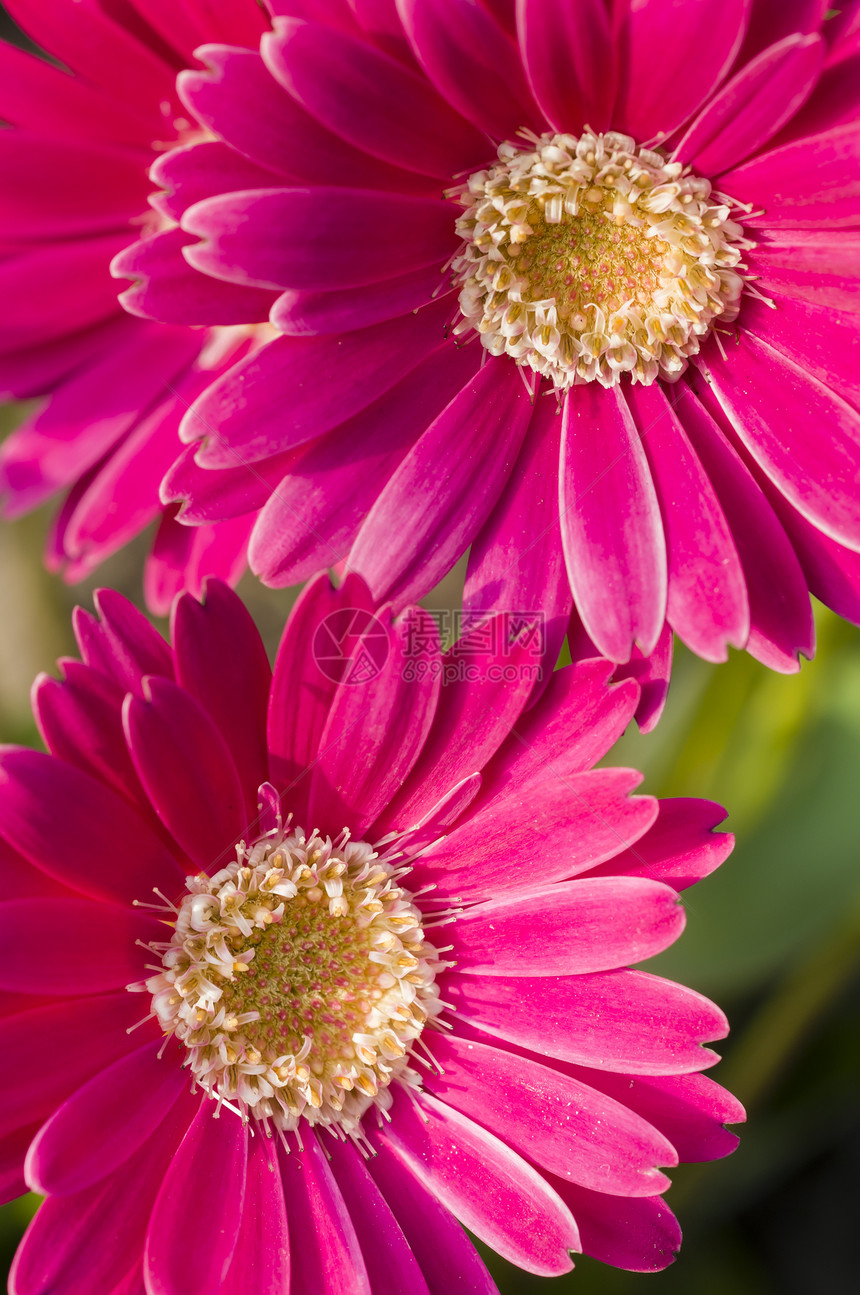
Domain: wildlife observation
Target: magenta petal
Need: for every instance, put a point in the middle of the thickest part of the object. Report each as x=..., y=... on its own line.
x=189, y=173
x=195, y=1221
x=261, y=1260
x=486, y=1185
x=125, y=646
x=707, y=602
x=317, y=634
x=806, y=264
x=12, y=1152
x=613, y=1020
x=188, y=772
x=660, y=34
x=578, y=926
x=434, y=1235
x=640, y=1234
x=183, y=557
x=564, y=1126
x=371, y=100
x=39, y=792
x=216, y=640
x=305, y=314
x=217, y=495
x=551, y=827
x=93, y=1132
x=391, y=1266
x=772, y=402
x=813, y=183
x=375, y=729
x=610, y=524
x=753, y=106
x=473, y=62
x=772, y=20
x=83, y=947
x=680, y=848
x=833, y=572
x=570, y=60
x=325, y=1254
x=445, y=487
x=284, y=396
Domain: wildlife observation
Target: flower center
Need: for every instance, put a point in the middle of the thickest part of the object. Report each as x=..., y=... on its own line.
x=297, y=978
x=588, y=257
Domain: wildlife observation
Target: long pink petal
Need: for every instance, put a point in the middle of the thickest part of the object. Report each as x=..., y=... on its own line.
x=570, y=60
x=808, y=265
x=261, y=1260
x=325, y=1254
x=812, y=183
x=304, y=314
x=640, y=1234
x=89, y=948
x=680, y=848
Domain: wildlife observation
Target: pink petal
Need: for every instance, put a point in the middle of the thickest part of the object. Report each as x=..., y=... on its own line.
x=753, y=106
x=813, y=183
x=304, y=314
x=570, y=60
x=375, y=729
x=188, y=772
x=183, y=557
x=326, y=1257
x=83, y=947
x=660, y=34
x=220, y=494
x=12, y=1152
x=444, y=489
x=38, y=793
x=833, y=572
x=821, y=340
x=192, y=172
x=94, y=1131
x=125, y=646
x=680, y=848
x=578, y=926
x=613, y=1020
x=486, y=1185
x=194, y=1227
x=772, y=20
x=610, y=524
x=372, y=101
x=811, y=267
x=261, y=1260
x=640, y=1234
x=564, y=1126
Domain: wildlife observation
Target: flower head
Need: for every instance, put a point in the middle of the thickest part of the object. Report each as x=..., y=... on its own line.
x=574, y=287
x=112, y=390
x=303, y=967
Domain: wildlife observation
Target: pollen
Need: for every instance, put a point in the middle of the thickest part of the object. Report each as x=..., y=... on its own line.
x=586, y=258
x=298, y=979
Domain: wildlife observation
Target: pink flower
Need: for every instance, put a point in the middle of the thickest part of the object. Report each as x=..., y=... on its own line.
x=618, y=358
x=75, y=193
x=398, y=980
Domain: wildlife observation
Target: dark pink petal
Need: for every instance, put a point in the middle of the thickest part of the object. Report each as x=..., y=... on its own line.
x=284, y=395
x=195, y=171
x=79, y=831
x=325, y=1255
x=833, y=102
x=486, y=682
x=821, y=340
x=651, y=673
x=570, y=60
x=304, y=314
x=610, y=524
x=83, y=947
x=564, y=1126
x=579, y=717
x=21, y=880
x=578, y=926
x=753, y=106
x=808, y=265
x=375, y=729
x=317, y=239
x=167, y=288
x=772, y=402
x=372, y=100
x=222, y=663
x=680, y=848
x=514, y=563
x=613, y=1020
x=220, y=494
x=93, y=1133
x=473, y=62
x=315, y=512
x=198, y=20
x=12, y=1152
x=32, y=371
x=302, y=692
x=449, y=1261
x=548, y=829
x=182, y=557
x=391, y=1266
x=261, y=1260
x=707, y=602
x=486, y=1185
x=833, y=572
x=195, y=1221
x=640, y=1234
x=772, y=20
x=65, y=1249
x=88, y=1033
x=188, y=772
x=781, y=624
x=125, y=646
x=444, y=489
x=813, y=183
x=661, y=84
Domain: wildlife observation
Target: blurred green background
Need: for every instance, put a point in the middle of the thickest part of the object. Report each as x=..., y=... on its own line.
x=774, y=936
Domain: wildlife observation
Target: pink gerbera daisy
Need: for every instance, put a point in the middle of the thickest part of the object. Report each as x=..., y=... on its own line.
x=375, y=920
x=75, y=188
x=571, y=283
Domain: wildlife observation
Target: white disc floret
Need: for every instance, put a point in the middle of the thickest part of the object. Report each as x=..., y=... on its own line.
x=298, y=978
x=587, y=257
